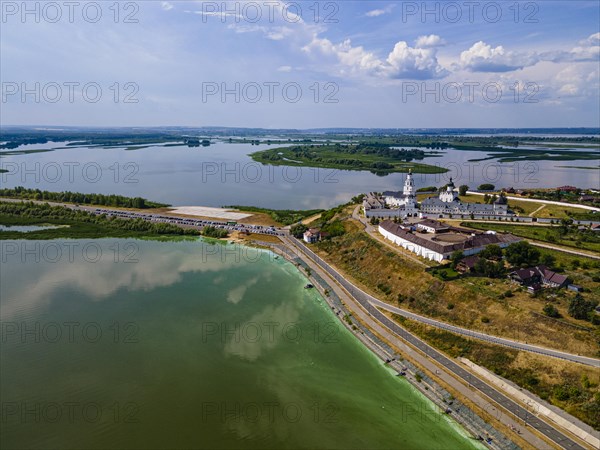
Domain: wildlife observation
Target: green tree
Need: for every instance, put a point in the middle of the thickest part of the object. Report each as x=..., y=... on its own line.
x=491, y=252
x=548, y=260
x=214, y=232
x=486, y=187
x=455, y=257
x=579, y=308
x=522, y=253
x=551, y=311
x=462, y=189
x=489, y=268
x=298, y=230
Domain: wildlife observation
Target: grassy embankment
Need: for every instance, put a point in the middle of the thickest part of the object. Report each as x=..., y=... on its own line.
x=466, y=301
x=482, y=304
x=379, y=159
x=572, y=387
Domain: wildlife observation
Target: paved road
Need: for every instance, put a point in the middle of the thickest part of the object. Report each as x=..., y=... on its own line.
x=369, y=303
x=474, y=334
x=563, y=249
x=498, y=397
x=196, y=223
x=367, y=298
x=501, y=399
x=486, y=337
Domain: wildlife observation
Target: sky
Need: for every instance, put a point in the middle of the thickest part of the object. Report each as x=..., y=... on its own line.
x=307, y=64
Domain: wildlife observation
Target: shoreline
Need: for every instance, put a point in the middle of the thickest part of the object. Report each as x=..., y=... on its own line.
x=377, y=346
x=465, y=420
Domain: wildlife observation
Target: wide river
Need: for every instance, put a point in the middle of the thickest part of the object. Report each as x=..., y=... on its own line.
x=135, y=344
x=224, y=174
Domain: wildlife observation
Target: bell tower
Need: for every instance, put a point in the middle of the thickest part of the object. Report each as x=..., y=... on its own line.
x=409, y=185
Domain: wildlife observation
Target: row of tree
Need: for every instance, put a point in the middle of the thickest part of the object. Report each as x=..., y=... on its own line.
x=80, y=198
x=517, y=254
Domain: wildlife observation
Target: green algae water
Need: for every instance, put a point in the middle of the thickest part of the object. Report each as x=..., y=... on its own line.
x=158, y=345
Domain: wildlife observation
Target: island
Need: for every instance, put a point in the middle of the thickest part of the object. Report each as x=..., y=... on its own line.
x=374, y=157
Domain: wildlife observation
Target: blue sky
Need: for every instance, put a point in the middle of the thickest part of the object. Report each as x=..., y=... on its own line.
x=357, y=64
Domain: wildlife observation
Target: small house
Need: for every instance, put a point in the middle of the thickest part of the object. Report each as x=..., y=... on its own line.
x=467, y=264
x=552, y=279
x=312, y=235
x=539, y=274
x=525, y=277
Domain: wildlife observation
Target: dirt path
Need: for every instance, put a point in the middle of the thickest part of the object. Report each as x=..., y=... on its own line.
x=536, y=211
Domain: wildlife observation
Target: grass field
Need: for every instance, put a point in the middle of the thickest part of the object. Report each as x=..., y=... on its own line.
x=466, y=301
x=279, y=216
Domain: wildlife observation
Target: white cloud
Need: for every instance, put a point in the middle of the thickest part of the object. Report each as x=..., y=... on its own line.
x=574, y=81
x=234, y=14
x=587, y=50
x=592, y=40
x=166, y=6
x=223, y=15
x=284, y=69
x=380, y=12
x=355, y=58
x=375, y=13
x=402, y=62
x=273, y=33
x=481, y=57
x=279, y=33
x=413, y=63
x=433, y=40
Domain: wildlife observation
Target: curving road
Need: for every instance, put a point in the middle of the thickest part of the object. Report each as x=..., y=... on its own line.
x=507, y=403
x=465, y=331
x=563, y=249
x=486, y=337
x=365, y=298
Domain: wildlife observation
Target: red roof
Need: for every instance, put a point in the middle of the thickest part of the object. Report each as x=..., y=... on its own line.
x=567, y=188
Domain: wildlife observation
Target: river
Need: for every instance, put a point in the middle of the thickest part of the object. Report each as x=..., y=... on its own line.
x=224, y=174
x=137, y=344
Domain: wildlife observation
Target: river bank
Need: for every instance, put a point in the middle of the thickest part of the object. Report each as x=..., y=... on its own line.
x=443, y=402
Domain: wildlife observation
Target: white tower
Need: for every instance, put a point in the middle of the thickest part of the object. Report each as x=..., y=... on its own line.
x=409, y=185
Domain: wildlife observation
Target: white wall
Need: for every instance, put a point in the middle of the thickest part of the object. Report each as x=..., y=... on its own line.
x=420, y=251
